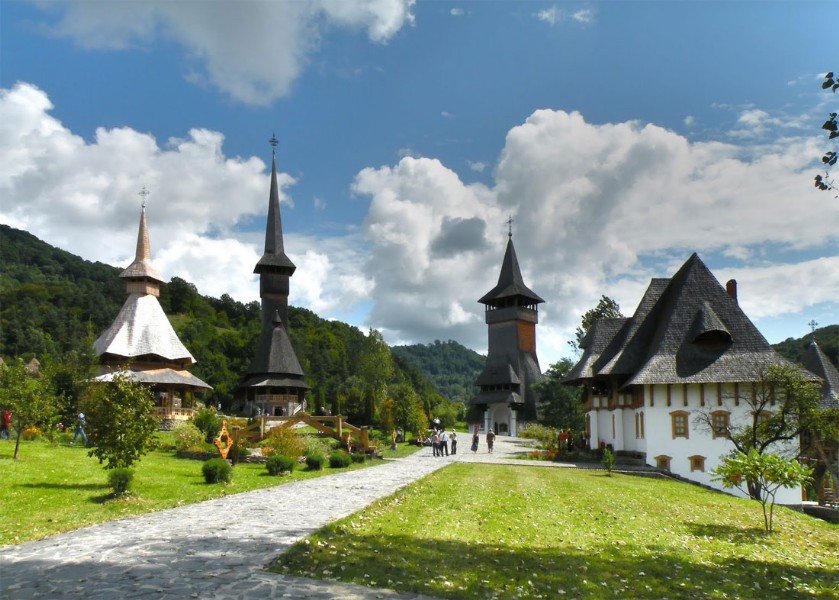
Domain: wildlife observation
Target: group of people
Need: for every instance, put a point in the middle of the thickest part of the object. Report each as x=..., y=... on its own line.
x=490, y=441
x=440, y=442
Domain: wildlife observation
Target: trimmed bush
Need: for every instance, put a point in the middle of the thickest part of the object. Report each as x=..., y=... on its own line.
x=315, y=460
x=217, y=470
x=358, y=457
x=278, y=464
x=608, y=461
x=339, y=460
x=120, y=480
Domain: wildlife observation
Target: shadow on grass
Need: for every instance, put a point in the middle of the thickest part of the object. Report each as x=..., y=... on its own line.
x=729, y=533
x=65, y=486
x=451, y=569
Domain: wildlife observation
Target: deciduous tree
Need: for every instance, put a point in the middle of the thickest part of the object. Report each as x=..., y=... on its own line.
x=120, y=424
x=769, y=472
x=27, y=396
x=606, y=309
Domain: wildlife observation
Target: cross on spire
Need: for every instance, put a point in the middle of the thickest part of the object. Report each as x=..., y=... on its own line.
x=273, y=141
x=143, y=193
x=510, y=226
x=813, y=326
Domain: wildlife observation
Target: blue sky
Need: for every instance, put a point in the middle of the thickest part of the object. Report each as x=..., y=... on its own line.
x=621, y=137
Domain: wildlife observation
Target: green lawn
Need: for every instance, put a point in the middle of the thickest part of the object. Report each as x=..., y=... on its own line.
x=477, y=531
x=51, y=489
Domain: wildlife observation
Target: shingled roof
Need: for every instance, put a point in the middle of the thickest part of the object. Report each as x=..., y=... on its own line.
x=510, y=282
x=275, y=359
x=686, y=330
x=815, y=361
x=142, y=267
x=274, y=258
x=140, y=329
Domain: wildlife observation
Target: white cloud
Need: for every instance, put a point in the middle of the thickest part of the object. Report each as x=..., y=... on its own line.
x=83, y=197
x=477, y=166
x=457, y=12
x=598, y=209
x=584, y=16
x=551, y=16
x=229, y=43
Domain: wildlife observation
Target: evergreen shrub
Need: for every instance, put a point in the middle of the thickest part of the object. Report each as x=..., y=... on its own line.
x=315, y=460
x=339, y=460
x=207, y=421
x=358, y=457
x=278, y=463
x=217, y=470
x=120, y=480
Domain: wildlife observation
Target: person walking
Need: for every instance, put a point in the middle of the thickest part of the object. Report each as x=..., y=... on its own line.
x=444, y=443
x=80, y=422
x=475, y=443
x=490, y=440
x=6, y=425
x=453, y=438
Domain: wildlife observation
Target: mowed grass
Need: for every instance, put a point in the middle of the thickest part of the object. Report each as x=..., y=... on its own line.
x=51, y=489
x=485, y=531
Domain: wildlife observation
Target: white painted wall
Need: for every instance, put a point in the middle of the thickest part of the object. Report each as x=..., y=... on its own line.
x=658, y=438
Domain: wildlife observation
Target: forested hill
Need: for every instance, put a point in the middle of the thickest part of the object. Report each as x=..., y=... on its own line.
x=826, y=337
x=451, y=367
x=53, y=303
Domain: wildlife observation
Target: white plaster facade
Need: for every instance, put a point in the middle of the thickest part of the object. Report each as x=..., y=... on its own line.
x=644, y=423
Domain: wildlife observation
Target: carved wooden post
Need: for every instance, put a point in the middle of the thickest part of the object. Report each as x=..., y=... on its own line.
x=364, y=441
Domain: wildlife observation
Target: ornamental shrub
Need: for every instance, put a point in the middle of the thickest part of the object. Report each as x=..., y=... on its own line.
x=283, y=441
x=358, y=457
x=206, y=420
x=120, y=480
x=315, y=460
x=278, y=463
x=217, y=470
x=339, y=460
x=188, y=438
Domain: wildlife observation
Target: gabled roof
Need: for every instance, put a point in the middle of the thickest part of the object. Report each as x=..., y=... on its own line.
x=498, y=371
x=510, y=282
x=686, y=330
x=274, y=258
x=142, y=267
x=596, y=340
x=815, y=361
x=141, y=328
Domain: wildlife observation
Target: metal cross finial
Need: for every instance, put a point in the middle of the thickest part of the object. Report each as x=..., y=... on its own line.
x=510, y=226
x=273, y=141
x=143, y=194
x=813, y=326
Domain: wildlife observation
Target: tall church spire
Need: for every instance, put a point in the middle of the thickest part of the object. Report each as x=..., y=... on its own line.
x=274, y=259
x=141, y=271
x=510, y=281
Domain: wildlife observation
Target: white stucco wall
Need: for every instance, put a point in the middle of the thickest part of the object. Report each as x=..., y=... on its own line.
x=658, y=431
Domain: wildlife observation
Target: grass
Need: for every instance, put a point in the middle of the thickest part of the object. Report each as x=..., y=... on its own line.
x=51, y=489
x=481, y=531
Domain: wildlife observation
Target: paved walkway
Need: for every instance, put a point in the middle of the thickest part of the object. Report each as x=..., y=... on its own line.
x=217, y=549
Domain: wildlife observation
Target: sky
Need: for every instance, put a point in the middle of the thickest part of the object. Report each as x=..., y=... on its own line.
x=620, y=137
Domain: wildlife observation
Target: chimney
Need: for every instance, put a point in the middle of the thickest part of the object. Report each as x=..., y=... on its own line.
x=731, y=289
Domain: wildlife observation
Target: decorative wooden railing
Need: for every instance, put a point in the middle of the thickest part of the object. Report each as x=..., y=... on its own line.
x=167, y=412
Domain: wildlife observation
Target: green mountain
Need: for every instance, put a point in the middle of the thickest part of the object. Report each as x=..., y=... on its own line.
x=53, y=303
x=451, y=367
x=827, y=338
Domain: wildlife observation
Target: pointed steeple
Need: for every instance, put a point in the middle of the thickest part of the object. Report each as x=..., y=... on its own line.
x=142, y=268
x=510, y=281
x=274, y=259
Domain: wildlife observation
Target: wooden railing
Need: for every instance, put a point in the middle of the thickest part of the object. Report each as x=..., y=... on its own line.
x=167, y=412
